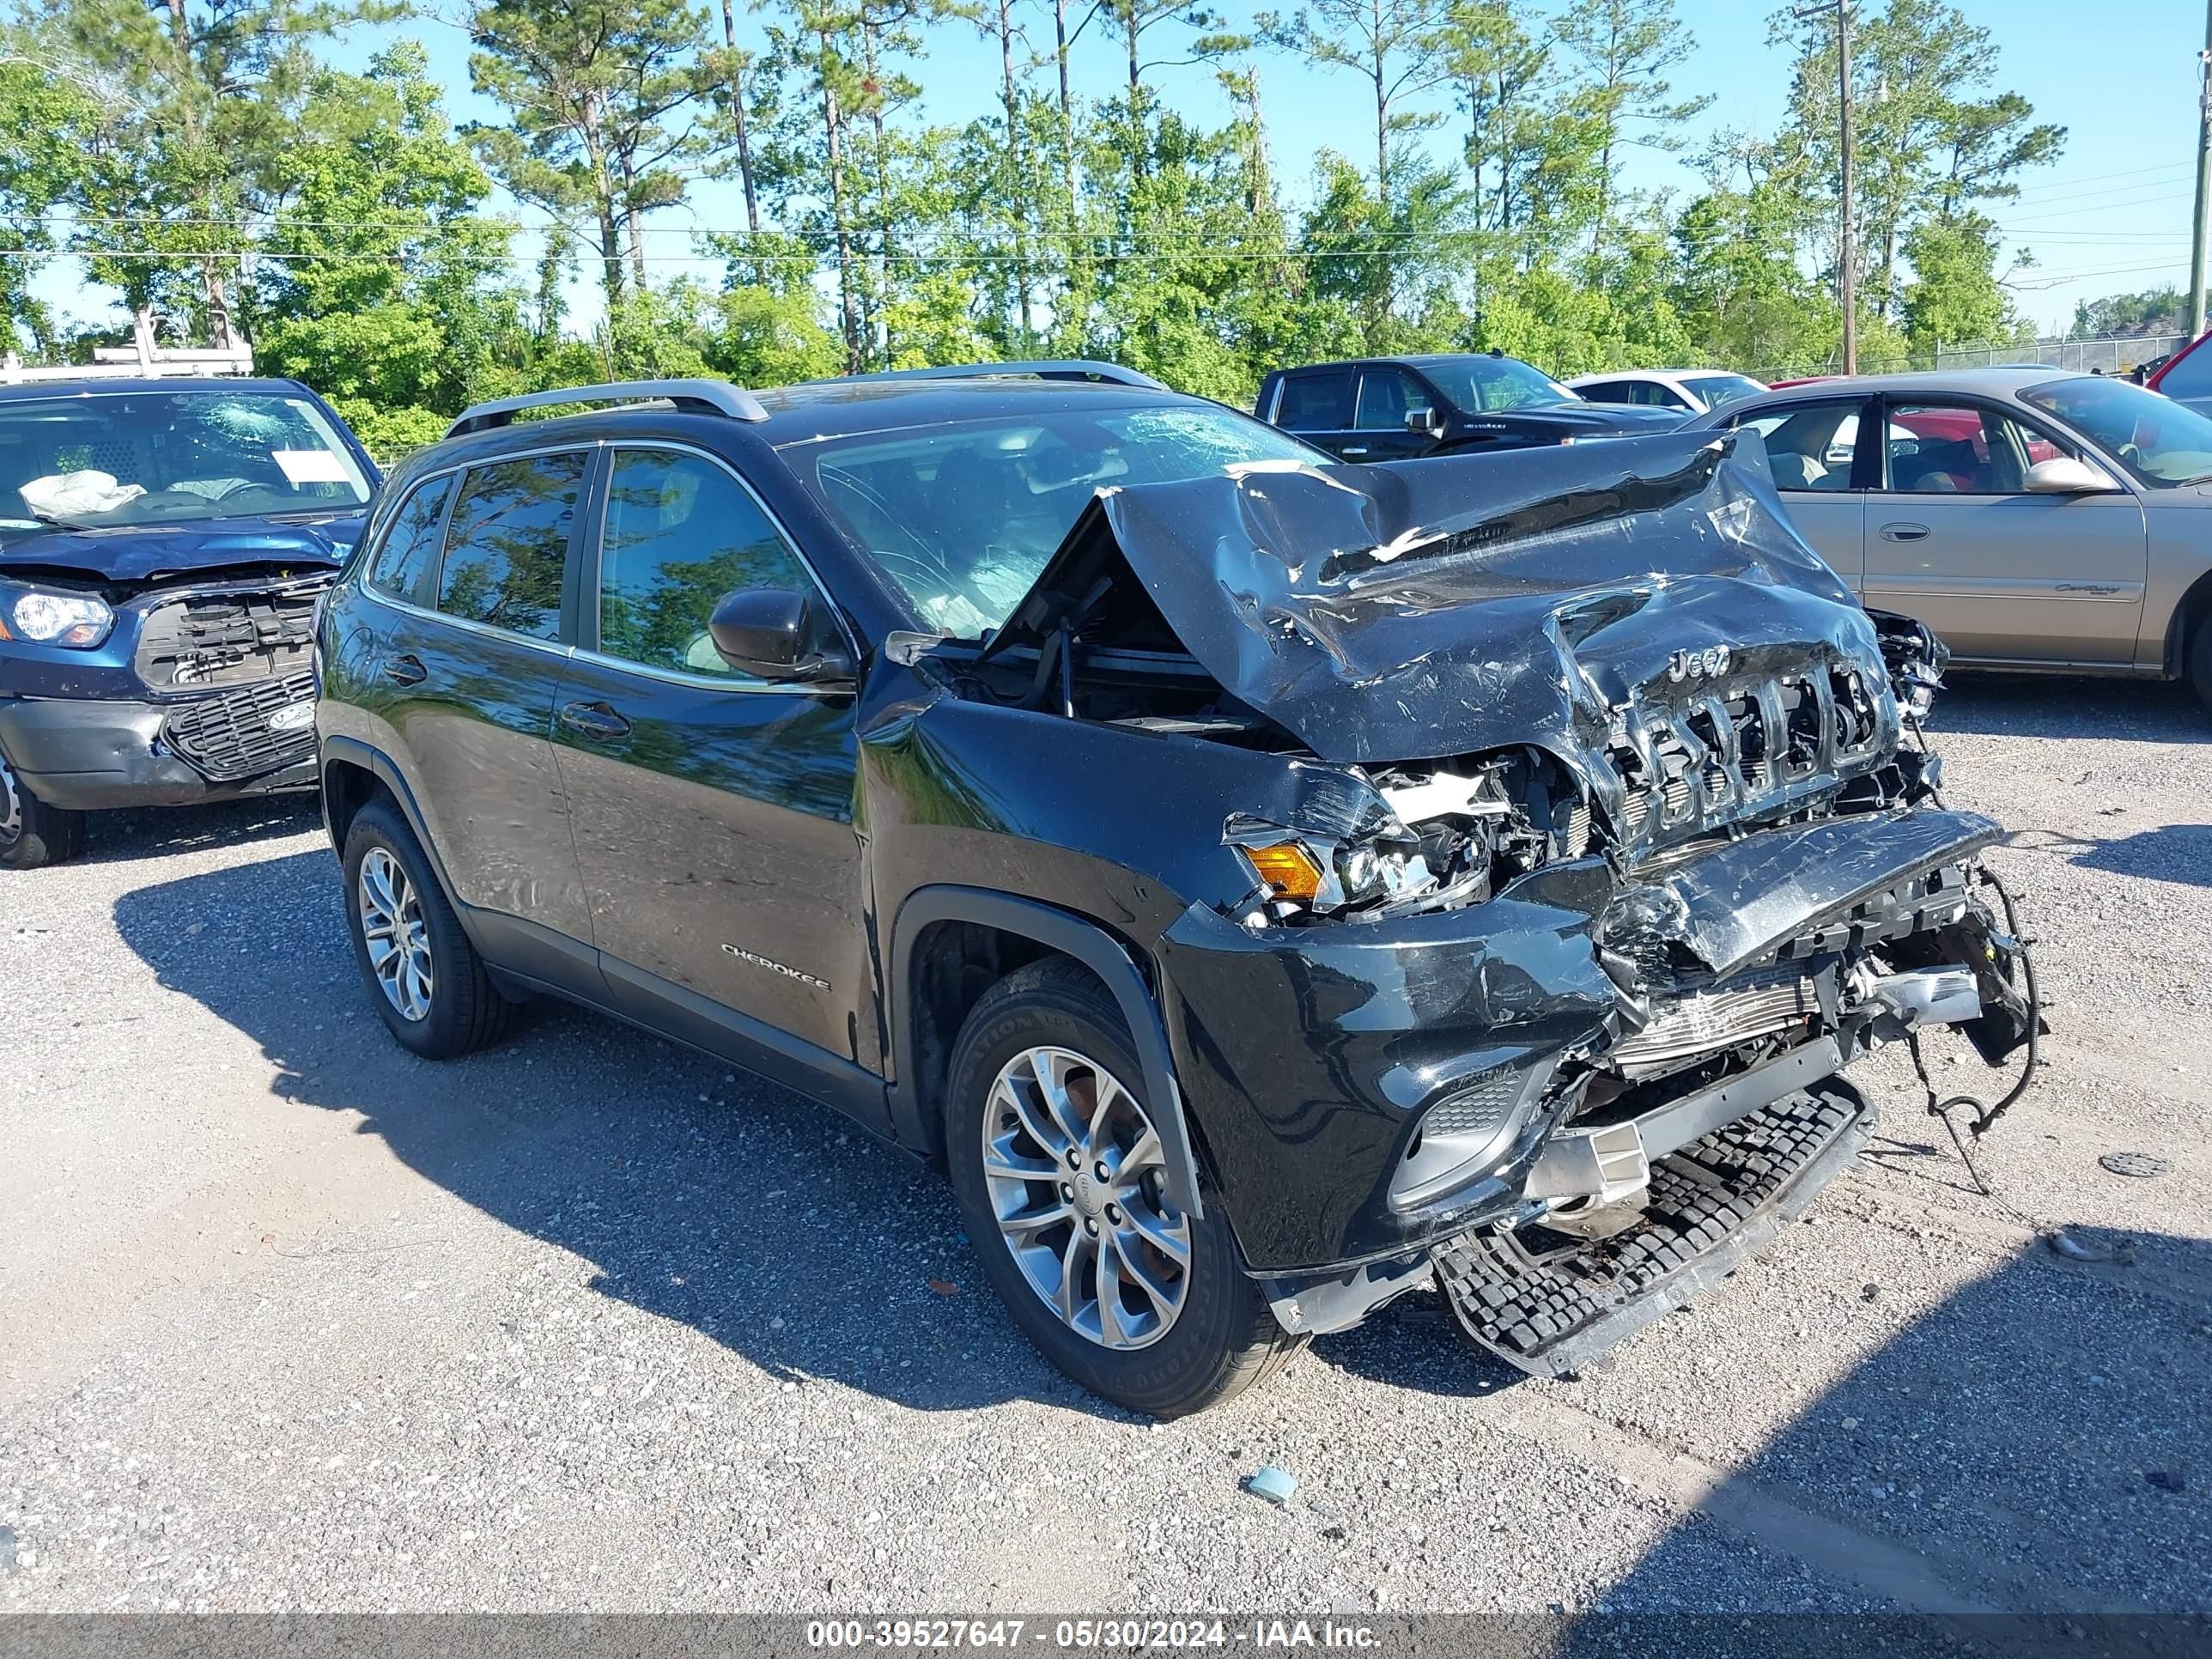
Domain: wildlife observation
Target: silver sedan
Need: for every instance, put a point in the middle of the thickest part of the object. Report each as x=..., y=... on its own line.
x=2035, y=519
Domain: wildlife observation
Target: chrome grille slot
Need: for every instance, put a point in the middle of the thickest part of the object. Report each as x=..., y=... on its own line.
x=1709, y=760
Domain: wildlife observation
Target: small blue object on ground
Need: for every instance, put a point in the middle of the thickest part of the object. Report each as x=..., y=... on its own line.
x=1271, y=1483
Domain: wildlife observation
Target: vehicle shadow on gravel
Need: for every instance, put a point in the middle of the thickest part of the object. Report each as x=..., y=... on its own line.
x=159, y=831
x=2179, y=852
x=2038, y=706
x=697, y=1193
x=2042, y=1440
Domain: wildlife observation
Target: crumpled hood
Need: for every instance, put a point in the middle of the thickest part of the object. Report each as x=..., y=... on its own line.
x=139, y=553
x=1415, y=609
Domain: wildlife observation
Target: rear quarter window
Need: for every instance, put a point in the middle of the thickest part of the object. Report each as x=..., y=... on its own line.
x=1316, y=400
x=409, y=548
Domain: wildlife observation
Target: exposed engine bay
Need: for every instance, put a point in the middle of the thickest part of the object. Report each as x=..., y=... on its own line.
x=1619, y=664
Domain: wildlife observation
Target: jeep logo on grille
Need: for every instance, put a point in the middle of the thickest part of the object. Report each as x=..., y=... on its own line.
x=1707, y=664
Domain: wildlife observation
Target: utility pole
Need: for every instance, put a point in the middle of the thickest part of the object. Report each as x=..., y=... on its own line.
x=2203, y=180
x=1846, y=242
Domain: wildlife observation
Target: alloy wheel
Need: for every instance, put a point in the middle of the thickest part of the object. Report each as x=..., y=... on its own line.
x=11, y=806
x=392, y=927
x=1076, y=1178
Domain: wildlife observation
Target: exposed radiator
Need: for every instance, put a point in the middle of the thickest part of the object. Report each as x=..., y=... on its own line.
x=1709, y=1020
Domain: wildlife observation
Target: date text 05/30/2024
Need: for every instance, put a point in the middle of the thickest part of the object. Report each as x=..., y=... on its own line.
x=1087, y=1635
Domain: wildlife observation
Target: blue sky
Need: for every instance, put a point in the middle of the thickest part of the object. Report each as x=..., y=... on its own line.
x=2112, y=215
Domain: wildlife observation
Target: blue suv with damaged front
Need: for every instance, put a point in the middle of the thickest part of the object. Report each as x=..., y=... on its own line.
x=163, y=543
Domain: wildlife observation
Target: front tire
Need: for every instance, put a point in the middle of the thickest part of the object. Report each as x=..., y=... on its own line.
x=32, y=832
x=425, y=978
x=2200, y=661
x=1058, y=1167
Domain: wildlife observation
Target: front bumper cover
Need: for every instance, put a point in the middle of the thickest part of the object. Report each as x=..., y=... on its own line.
x=88, y=754
x=1310, y=1056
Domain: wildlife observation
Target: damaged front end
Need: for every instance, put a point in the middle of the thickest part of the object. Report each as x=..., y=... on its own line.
x=1601, y=861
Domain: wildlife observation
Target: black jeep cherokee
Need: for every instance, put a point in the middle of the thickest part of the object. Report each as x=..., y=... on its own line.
x=162, y=545
x=1268, y=885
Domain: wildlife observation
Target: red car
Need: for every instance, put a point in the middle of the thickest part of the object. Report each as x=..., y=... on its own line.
x=2186, y=376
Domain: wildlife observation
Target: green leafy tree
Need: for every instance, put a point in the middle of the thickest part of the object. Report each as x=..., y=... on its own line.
x=49, y=128
x=1926, y=143
x=607, y=100
x=1626, y=49
x=1954, y=296
x=197, y=100
x=388, y=284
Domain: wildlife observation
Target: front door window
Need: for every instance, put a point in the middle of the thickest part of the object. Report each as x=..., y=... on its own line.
x=681, y=533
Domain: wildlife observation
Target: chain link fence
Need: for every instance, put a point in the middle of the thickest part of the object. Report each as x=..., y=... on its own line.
x=2113, y=355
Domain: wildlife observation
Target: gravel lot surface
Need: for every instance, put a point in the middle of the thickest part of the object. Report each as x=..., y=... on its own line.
x=295, y=1321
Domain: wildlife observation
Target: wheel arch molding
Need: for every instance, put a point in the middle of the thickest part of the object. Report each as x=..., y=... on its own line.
x=366, y=757
x=914, y=1102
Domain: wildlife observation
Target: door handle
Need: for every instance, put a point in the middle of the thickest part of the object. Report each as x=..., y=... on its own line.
x=1904, y=533
x=594, y=720
x=406, y=669
x=1353, y=449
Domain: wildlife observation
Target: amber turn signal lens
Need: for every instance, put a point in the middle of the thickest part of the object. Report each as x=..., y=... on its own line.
x=1288, y=869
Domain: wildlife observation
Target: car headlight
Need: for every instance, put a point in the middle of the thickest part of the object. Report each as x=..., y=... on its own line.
x=1305, y=872
x=79, y=621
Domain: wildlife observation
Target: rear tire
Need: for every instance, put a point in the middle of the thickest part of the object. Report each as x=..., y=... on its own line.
x=425, y=980
x=1050, y=1031
x=33, y=833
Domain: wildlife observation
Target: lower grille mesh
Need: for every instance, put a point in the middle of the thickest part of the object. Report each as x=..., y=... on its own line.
x=229, y=736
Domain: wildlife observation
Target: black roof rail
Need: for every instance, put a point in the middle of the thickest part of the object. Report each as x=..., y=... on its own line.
x=1042, y=368
x=694, y=396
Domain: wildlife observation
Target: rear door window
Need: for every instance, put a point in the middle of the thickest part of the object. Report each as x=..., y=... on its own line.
x=1316, y=400
x=411, y=541
x=506, y=552
x=1809, y=448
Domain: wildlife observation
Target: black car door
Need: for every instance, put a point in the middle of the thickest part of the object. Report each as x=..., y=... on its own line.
x=467, y=651
x=713, y=812
x=1316, y=404
x=1387, y=397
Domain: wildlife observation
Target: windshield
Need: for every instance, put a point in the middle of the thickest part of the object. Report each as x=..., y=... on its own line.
x=2161, y=442
x=964, y=516
x=161, y=457
x=1718, y=389
x=1479, y=384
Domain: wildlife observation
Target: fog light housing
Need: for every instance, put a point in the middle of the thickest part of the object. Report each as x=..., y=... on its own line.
x=1460, y=1139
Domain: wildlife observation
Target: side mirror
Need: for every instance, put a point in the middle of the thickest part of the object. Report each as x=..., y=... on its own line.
x=2063, y=475
x=1423, y=421
x=779, y=634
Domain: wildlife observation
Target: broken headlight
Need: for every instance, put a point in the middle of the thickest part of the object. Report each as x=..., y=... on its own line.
x=1303, y=871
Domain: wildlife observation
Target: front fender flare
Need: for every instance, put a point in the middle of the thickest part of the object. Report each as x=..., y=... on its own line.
x=1073, y=936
